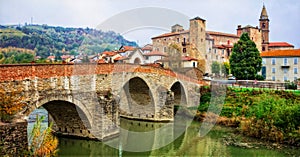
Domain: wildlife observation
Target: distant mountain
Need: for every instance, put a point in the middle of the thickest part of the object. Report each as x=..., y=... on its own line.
x=49, y=40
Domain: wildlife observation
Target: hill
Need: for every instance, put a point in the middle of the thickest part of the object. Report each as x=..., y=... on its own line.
x=50, y=40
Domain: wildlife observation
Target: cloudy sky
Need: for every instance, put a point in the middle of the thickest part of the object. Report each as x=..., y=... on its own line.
x=220, y=15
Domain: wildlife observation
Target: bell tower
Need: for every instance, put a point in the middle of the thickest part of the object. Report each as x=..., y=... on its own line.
x=264, y=27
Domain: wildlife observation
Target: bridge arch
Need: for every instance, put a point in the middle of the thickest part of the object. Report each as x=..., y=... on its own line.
x=137, y=98
x=69, y=116
x=180, y=94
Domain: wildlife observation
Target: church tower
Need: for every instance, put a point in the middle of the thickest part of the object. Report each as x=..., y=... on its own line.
x=264, y=27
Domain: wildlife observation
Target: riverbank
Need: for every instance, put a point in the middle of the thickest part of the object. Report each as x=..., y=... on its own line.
x=270, y=117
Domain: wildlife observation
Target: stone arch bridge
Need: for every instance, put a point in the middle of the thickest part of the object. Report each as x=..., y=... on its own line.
x=86, y=100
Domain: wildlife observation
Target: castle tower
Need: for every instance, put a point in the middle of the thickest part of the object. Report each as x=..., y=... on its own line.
x=197, y=37
x=264, y=27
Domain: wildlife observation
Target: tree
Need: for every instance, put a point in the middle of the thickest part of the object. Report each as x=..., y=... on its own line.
x=215, y=67
x=225, y=68
x=245, y=60
x=42, y=142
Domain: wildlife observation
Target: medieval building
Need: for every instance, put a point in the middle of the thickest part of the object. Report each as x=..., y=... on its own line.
x=201, y=44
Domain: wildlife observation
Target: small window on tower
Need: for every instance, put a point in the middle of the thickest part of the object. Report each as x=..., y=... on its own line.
x=184, y=50
x=263, y=25
x=263, y=48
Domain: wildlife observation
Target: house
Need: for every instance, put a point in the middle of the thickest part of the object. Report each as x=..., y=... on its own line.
x=135, y=57
x=178, y=62
x=147, y=48
x=109, y=56
x=153, y=56
x=281, y=65
x=51, y=58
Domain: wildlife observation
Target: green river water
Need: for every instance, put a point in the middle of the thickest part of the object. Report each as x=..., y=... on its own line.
x=187, y=143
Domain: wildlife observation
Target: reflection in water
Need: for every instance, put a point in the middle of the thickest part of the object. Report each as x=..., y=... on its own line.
x=188, y=143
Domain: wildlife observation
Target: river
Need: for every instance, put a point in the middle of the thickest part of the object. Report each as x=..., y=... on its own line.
x=189, y=143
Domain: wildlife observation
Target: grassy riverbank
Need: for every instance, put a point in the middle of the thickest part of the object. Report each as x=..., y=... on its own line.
x=265, y=114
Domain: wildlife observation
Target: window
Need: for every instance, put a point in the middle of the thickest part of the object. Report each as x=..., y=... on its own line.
x=165, y=49
x=295, y=70
x=264, y=61
x=184, y=50
x=194, y=64
x=285, y=78
x=295, y=78
x=285, y=70
x=215, y=50
x=263, y=48
x=178, y=40
x=273, y=70
x=263, y=25
x=273, y=78
x=223, y=52
x=273, y=61
x=285, y=61
x=295, y=60
x=216, y=57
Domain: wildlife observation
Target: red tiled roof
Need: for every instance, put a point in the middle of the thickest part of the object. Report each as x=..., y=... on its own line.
x=126, y=48
x=222, y=34
x=187, y=58
x=280, y=44
x=51, y=57
x=155, y=53
x=147, y=47
x=170, y=34
x=222, y=46
x=101, y=61
x=281, y=53
x=183, y=58
x=109, y=53
x=120, y=58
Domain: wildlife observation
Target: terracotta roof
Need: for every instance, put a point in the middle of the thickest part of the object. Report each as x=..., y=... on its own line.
x=187, y=58
x=223, y=46
x=281, y=53
x=148, y=47
x=101, y=61
x=280, y=44
x=155, y=53
x=126, y=48
x=120, y=58
x=170, y=34
x=109, y=53
x=183, y=58
x=51, y=57
x=222, y=34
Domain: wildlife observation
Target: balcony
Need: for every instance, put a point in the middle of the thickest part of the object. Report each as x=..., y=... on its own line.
x=285, y=65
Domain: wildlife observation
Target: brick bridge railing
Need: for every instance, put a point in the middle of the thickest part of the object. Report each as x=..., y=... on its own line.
x=25, y=71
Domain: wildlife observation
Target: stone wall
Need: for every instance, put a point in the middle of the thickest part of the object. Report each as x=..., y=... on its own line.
x=13, y=139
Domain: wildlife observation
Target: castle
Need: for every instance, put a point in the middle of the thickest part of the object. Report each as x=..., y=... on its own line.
x=212, y=46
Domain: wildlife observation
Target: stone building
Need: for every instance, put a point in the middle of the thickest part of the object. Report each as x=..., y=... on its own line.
x=211, y=46
x=281, y=65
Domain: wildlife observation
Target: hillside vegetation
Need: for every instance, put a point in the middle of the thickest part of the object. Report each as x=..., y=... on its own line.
x=47, y=40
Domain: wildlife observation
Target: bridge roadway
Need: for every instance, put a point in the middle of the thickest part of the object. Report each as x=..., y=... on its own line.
x=87, y=100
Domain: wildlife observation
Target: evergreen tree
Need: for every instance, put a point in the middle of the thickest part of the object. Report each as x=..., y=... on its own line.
x=245, y=60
